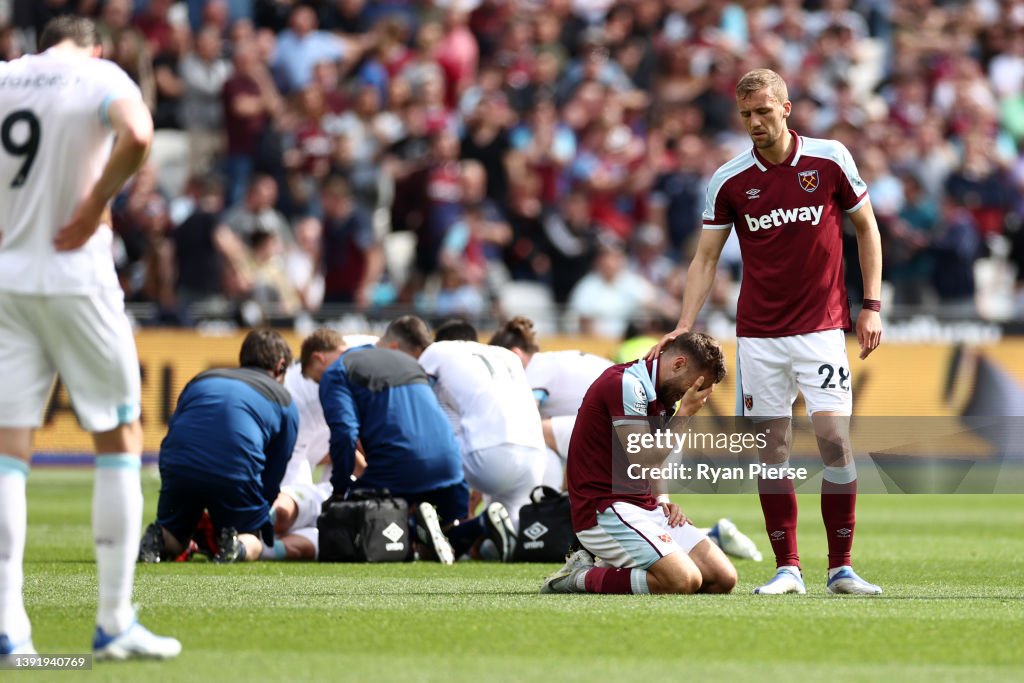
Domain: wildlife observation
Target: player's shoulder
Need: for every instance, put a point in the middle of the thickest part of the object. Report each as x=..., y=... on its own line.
x=735, y=166
x=824, y=148
x=16, y=65
x=730, y=171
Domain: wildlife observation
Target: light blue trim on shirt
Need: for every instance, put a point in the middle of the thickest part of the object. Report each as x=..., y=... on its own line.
x=105, y=110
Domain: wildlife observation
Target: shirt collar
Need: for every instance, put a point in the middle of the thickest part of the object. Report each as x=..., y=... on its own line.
x=792, y=160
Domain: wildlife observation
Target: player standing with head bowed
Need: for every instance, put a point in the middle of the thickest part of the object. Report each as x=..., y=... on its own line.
x=786, y=198
x=73, y=129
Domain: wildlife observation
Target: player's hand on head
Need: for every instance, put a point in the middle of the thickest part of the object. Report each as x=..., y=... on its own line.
x=869, y=332
x=674, y=514
x=83, y=224
x=695, y=397
x=663, y=342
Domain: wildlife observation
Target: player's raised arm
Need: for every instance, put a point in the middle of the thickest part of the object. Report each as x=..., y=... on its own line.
x=133, y=124
x=869, y=245
x=699, y=278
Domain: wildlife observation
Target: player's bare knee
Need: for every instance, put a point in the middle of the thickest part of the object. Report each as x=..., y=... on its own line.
x=687, y=582
x=722, y=580
x=16, y=442
x=125, y=438
x=675, y=575
x=285, y=513
x=298, y=548
x=253, y=546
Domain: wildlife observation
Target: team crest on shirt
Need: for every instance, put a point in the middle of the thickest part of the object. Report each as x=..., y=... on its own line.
x=748, y=401
x=808, y=180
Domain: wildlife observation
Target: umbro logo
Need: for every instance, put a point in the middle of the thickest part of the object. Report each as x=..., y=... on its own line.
x=393, y=532
x=778, y=535
x=753, y=193
x=844, y=533
x=535, y=531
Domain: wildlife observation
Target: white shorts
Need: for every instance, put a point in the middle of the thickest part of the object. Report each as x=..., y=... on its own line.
x=628, y=536
x=309, y=499
x=771, y=370
x=554, y=471
x=86, y=340
x=506, y=473
x=561, y=427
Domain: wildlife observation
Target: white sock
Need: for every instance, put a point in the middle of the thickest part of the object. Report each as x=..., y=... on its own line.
x=116, y=526
x=273, y=552
x=581, y=582
x=791, y=567
x=14, y=621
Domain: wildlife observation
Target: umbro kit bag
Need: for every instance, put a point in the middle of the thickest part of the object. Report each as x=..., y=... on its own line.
x=365, y=526
x=545, y=527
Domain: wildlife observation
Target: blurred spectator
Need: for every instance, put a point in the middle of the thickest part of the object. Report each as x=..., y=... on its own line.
x=250, y=99
x=369, y=128
x=609, y=295
x=475, y=244
x=570, y=237
x=648, y=247
x=909, y=265
x=677, y=197
x=155, y=26
x=125, y=45
x=300, y=47
x=486, y=139
x=457, y=53
x=353, y=259
x=167, y=65
x=981, y=186
x=271, y=288
x=955, y=247
x=303, y=263
x=209, y=257
x=543, y=146
x=443, y=200
x=257, y=213
x=204, y=73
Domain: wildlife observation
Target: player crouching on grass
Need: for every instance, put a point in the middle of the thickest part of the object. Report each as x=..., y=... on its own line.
x=298, y=506
x=226, y=449
x=643, y=543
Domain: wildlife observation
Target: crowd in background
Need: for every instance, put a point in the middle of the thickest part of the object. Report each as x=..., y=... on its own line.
x=359, y=155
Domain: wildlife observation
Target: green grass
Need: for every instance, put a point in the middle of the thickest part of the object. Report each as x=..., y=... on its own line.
x=953, y=607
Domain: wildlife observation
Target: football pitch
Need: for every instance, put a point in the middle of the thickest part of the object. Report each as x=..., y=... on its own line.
x=952, y=568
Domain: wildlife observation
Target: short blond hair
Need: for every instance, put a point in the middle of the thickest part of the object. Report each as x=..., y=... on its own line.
x=323, y=339
x=759, y=79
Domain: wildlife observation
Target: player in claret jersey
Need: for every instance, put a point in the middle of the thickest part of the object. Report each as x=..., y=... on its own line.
x=787, y=197
x=643, y=543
